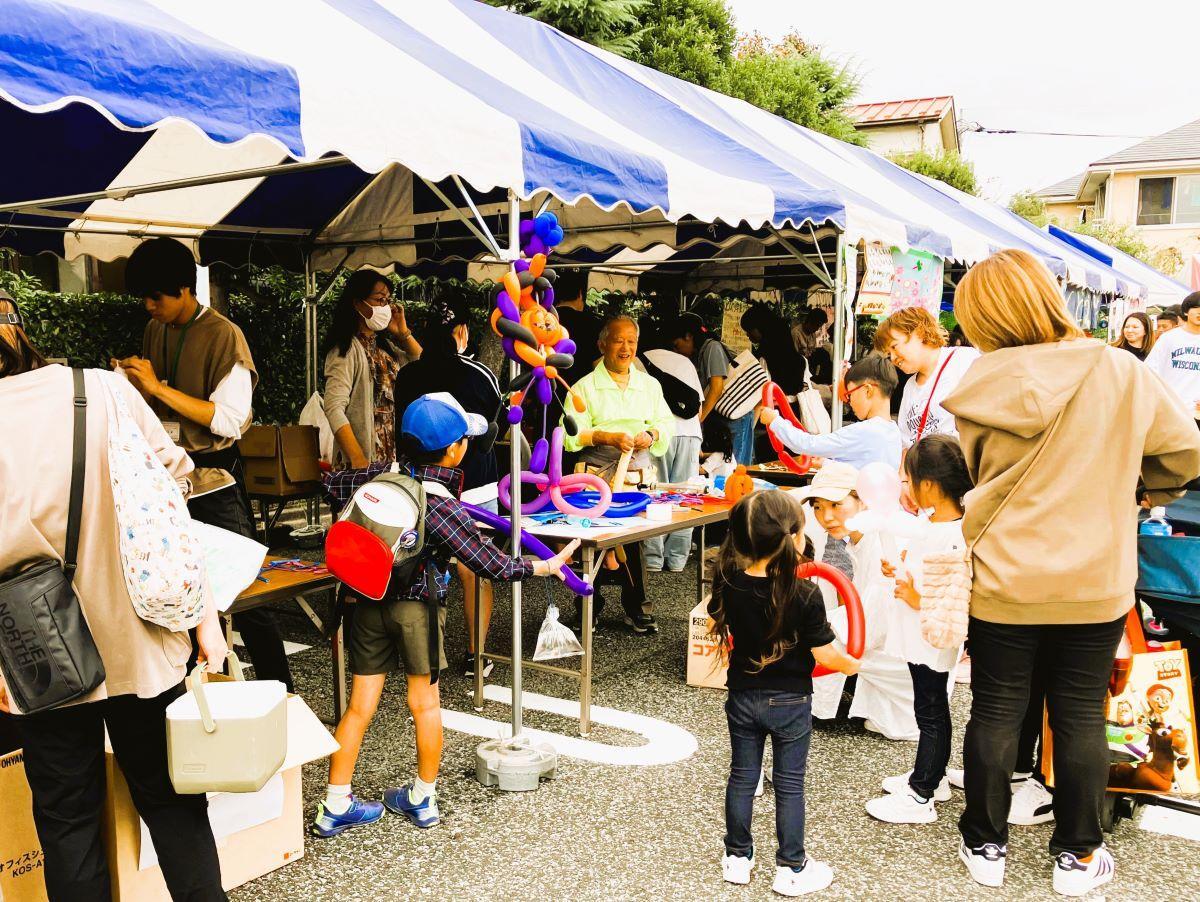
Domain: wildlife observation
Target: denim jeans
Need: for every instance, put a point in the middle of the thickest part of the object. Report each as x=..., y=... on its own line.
x=755, y=714
x=1076, y=662
x=743, y=438
x=679, y=464
x=931, y=705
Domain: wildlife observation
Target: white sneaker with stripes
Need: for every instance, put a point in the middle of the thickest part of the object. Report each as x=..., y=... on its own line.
x=1073, y=877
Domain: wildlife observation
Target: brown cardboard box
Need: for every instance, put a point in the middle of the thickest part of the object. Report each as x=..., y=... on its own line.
x=704, y=666
x=281, y=460
x=245, y=854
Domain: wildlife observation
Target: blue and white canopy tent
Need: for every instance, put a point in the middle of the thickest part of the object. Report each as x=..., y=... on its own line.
x=1161, y=290
x=329, y=133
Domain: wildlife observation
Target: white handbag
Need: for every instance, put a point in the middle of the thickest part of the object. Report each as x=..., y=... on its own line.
x=743, y=386
x=162, y=558
x=813, y=415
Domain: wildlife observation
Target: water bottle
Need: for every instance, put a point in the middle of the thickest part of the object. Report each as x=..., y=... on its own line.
x=1156, y=524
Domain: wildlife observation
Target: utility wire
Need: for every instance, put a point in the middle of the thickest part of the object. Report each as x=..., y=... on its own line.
x=977, y=128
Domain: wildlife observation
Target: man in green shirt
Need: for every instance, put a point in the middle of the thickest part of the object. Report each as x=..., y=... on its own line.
x=625, y=412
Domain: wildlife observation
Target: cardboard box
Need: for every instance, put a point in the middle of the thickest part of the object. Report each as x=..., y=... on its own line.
x=281, y=460
x=246, y=853
x=704, y=665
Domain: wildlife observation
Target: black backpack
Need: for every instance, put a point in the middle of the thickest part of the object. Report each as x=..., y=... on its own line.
x=682, y=398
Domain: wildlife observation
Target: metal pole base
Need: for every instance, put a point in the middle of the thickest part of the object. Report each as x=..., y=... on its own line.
x=514, y=765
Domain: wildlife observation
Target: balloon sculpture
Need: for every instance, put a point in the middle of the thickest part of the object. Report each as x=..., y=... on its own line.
x=848, y=596
x=533, y=337
x=879, y=488
x=775, y=399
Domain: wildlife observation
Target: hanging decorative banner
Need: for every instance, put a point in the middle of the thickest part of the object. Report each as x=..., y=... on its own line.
x=732, y=334
x=917, y=281
x=875, y=294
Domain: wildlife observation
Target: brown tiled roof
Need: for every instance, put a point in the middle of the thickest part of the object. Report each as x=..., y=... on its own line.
x=1068, y=187
x=921, y=109
x=1181, y=143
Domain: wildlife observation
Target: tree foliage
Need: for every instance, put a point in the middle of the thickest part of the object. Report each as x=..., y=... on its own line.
x=613, y=25
x=946, y=167
x=690, y=39
x=1029, y=206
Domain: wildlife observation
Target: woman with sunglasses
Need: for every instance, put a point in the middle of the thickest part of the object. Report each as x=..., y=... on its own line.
x=874, y=438
x=368, y=342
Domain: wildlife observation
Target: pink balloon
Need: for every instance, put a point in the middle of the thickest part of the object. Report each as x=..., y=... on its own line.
x=879, y=487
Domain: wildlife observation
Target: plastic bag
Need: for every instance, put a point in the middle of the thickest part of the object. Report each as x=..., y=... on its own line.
x=554, y=639
x=313, y=414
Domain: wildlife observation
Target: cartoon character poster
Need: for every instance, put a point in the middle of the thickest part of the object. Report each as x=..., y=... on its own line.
x=1151, y=727
x=917, y=281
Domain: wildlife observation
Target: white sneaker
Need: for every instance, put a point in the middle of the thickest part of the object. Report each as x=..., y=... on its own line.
x=736, y=869
x=1073, y=877
x=758, y=790
x=813, y=877
x=899, y=786
x=902, y=808
x=1032, y=803
x=954, y=775
x=985, y=864
x=962, y=673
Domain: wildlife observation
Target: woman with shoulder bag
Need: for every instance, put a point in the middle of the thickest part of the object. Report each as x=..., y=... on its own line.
x=139, y=666
x=1056, y=429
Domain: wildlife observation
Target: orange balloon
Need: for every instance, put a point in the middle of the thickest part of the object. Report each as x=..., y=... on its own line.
x=513, y=286
x=537, y=265
x=580, y=407
x=496, y=314
x=551, y=372
x=528, y=354
x=517, y=399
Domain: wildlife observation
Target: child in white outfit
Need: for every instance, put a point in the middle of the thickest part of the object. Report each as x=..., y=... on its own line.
x=938, y=479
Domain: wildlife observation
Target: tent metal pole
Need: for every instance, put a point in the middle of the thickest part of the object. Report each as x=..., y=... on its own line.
x=514, y=469
x=219, y=178
x=839, y=327
x=486, y=240
x=821, y=273
x=480, y=221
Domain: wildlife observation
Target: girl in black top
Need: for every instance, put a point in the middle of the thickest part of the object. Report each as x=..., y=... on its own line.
x=774, y=628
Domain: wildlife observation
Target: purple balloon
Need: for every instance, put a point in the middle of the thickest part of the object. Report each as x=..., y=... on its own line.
x=548, y=298
x=510, y=349
x=545, y=390
x=514, y=415
x=537, y=460
x=525, y=230
x=525, y=540
x=566, y=346
x=535, y=246
x=507, y=308
x=521, y=265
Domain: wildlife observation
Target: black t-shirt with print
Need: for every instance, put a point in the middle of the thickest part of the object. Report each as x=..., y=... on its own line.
x=747, y=602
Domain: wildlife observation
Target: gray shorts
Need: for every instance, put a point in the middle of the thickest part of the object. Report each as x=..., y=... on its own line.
x=387, y=636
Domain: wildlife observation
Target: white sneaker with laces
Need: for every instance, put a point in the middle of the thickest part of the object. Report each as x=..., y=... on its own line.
x=985, y=864
x=736, y=869
x=955, y=777
x=898, y=785
x=812, y=878
x=1032, y=803
x=902, y=808
x=1073, y=877
x=758, y=791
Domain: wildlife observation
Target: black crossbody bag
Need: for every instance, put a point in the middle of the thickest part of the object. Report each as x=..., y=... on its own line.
x=46, y=649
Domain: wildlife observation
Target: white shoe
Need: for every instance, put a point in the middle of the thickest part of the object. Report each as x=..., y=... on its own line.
x=985, y=864
x=1073, y=877
x=898, y=785
x=813, y=877
x=1032, y=803
x=736, y=869
x=758, y=790
x=955, y=777
x=962, y=673
x=902, y=808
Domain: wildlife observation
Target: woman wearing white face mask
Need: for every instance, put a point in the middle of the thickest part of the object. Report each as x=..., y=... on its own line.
x=368, y=342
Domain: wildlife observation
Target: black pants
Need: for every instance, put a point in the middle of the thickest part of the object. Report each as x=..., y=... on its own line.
x=1077, y=661
x=630, y=576
x=931, y=705
x=64, y=761
x=230, y=509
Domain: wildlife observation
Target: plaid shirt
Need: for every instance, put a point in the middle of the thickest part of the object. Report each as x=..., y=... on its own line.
x=449, y=532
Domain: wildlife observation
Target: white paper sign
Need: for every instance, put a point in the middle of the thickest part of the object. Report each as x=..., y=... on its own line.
x=233, y=561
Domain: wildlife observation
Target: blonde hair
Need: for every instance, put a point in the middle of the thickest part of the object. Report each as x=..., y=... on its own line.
x=1011, y=300
x=910, y=321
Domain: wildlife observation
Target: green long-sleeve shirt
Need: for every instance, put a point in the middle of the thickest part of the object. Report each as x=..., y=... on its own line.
x=636, y=408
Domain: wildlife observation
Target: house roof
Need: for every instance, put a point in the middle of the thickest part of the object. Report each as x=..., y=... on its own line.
x=1068, y=187
x=921, y=109
x=1181, y=143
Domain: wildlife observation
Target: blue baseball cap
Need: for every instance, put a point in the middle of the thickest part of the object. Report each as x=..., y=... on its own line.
x=436, y=421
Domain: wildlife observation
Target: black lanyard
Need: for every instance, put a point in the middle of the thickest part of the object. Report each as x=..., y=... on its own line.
x=174, y=370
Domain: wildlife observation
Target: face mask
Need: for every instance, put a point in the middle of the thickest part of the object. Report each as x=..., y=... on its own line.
x=380, y=318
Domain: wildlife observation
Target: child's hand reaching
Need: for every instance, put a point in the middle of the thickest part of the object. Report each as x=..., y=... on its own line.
x=554, y=566
x=889, y=570
x=907, y=592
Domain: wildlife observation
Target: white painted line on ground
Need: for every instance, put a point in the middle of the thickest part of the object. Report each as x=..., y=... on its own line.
x=665, y=743
x=1157, y=819
x=289, y=648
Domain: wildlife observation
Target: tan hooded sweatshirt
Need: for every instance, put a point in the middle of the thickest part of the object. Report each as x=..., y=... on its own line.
x=1064, y=548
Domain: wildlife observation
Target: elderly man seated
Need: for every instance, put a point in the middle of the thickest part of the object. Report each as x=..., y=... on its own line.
x=625, y=413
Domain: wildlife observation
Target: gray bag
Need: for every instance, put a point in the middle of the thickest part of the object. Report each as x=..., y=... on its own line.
x=46, y=649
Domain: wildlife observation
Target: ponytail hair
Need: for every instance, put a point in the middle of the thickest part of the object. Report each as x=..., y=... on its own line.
x=939, y=459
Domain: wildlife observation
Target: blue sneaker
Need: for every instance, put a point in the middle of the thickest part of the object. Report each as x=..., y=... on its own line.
x=423, y=814
x=358, y=814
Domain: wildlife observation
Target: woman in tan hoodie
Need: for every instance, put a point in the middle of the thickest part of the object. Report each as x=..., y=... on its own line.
x=143, y=663
x=1057, y=428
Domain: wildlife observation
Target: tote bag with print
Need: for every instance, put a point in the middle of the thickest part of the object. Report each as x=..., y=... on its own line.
x=162, y=558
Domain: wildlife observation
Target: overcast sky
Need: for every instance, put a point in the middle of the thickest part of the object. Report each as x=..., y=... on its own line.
x=1102, y=67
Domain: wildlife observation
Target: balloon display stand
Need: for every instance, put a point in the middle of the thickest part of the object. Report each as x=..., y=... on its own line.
x=515, y=765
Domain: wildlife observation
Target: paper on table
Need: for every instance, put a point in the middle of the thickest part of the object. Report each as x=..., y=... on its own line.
x=233, y=562
x=566, y=531
x=482, y=495
x=229, y=813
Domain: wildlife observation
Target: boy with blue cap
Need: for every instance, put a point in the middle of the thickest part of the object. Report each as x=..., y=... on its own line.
x=405, y=628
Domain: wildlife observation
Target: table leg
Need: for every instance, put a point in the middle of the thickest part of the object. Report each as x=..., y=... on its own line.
x=338, y=649
x=585, y=666
x=227, y=622
x=700, y=569
x=477, y=626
